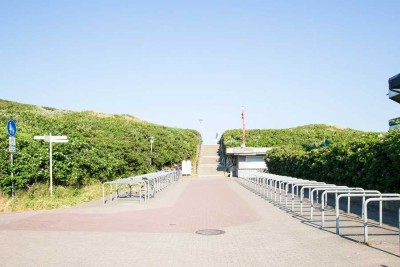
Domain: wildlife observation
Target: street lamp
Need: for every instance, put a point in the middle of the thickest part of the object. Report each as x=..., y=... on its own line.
x=151, y=147
x=201, y=128
x=151, y=143
x=52, y=139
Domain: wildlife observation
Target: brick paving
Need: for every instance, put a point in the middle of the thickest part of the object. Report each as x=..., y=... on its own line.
x=161, y=232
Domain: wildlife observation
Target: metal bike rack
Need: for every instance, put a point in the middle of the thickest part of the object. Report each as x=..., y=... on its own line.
x=363, y=195
x=284, y=183
x=310, y=187
x=324, y=198
x=148, y=184
x=366, y=212
x=268, y=185
x=274, y=182
x=295, y=188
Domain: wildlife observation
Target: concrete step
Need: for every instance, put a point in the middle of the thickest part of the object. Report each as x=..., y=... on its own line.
x=209, y=161
x=209, y=149
x=210, y=171
x=210, y=165
x=210, y=156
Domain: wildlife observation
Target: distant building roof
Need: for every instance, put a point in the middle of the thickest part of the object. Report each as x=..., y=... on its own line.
x=247, y=150
x=394, y=88
x=394, y=82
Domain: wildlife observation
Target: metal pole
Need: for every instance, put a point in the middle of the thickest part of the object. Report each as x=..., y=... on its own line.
x=380, y=213
x=348, y=205
x=12, y=177
x=337, y=214
x=365, y=220
x=243, y=130
x=151, y=149
x=111, y=193
x=201, y=128
x=103, y=193
x=51, y=167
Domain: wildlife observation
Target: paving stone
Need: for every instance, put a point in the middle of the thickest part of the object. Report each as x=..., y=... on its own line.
x=161, y=232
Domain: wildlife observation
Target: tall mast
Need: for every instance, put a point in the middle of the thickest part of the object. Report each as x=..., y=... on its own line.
x=243, y=129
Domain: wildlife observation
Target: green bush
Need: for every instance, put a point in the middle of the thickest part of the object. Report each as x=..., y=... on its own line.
x=101, y=147
x=348, y=157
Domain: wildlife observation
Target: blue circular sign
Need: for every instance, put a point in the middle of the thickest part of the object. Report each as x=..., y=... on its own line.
x=11, y=128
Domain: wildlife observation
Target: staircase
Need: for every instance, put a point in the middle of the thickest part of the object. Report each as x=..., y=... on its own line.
x=209, y=161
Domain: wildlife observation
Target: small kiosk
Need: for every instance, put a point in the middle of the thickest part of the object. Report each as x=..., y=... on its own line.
x=244, y=161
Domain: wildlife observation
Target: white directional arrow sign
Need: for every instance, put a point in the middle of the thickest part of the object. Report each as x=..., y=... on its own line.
x=52, y=139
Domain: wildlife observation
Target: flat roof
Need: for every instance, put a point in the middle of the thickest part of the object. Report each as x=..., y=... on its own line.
x=250, y=151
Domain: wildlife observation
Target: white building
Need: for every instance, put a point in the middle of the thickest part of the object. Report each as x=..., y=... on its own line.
x=243, y=161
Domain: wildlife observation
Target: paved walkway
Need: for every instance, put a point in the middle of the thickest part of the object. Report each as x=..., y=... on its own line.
x=161, y=232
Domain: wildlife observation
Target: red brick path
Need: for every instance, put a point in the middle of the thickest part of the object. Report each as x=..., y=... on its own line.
x=204, y=204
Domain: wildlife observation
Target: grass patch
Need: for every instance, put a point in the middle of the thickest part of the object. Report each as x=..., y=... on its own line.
x=38, y=197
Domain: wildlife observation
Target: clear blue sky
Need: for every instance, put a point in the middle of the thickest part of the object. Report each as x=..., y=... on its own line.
x=289, y=63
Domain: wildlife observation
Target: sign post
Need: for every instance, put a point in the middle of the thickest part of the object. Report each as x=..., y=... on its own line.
x=12, y=131
x=52, y=139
